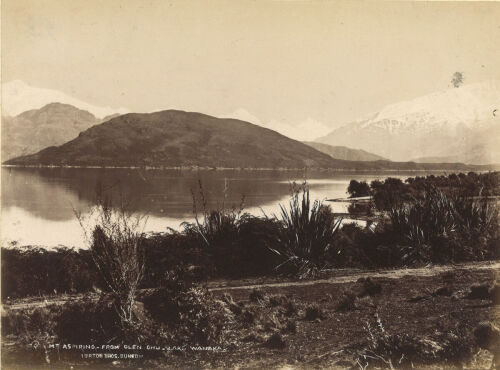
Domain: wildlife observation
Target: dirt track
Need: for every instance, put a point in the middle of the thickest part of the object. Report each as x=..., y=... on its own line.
x=339, y=276
x=352, y=276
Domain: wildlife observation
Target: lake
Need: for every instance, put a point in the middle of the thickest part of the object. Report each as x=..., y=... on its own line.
x=39, y=204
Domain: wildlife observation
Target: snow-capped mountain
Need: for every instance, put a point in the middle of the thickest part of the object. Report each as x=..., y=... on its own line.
x=447, y=125
x=304, y=131
x=18, y=97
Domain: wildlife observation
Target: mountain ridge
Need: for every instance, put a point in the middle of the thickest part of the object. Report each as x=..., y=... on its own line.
x=173, y=139
x=345, y=153
x=36, y=129
x=434, y=125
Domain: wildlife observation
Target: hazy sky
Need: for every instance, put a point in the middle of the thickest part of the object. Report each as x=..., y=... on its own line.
x=283, y=60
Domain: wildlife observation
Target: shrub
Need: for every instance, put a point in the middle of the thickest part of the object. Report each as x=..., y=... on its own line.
x=188, y=315
x=233, y=307
x=485, y=291
x=291, y=327
x=392, y=192
x=358, y=189
x=347, y=301
x=440, y=227
x=89, y=320
x=389, y=193
x=388, y=350
x=487, y=336
x=403, y=350
x=369, y=287
x=257, y=296
x=314, y=312
x=202, y=320
x=444, y=291
x=307, y=234
x=217, y=230
x=257, y=236
x=237, y=243
x=248, y=317
x=290, y=308
x=475, y=217
x=29, y=324
x=479, y=291
x=114, y=237
x=177, y=253
x=32, y=271
x=275, y=341
x=277, y=300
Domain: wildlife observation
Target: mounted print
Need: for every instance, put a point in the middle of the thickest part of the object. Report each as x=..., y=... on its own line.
x=250, y=184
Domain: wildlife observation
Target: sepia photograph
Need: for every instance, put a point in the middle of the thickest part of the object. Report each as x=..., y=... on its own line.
x=250, y=184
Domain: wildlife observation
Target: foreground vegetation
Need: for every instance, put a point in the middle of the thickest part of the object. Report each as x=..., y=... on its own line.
x=436, y=224
x=149, y=288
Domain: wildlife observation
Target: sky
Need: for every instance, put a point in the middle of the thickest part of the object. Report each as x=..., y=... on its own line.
x=290, y=61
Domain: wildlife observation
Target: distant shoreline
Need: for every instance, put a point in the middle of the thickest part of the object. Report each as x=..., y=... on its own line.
x=196, y=168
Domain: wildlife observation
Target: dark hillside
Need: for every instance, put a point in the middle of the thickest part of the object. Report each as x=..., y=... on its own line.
x=176, y=138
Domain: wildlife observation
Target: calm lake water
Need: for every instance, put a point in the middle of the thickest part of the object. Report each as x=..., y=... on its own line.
x=38, y=204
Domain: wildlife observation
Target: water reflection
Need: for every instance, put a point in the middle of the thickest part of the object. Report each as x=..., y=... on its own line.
x=38, y=204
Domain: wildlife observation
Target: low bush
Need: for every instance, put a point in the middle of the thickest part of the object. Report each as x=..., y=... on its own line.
x=30, y=324
x=487, y=336
x=89, y=320
x=441, y=228
x=290, y=308
x=403, y=350
x=277, y=300
x=306, y=239
x=236, y=246
x=275, y=341
x=314, y=312
x=257, y=296
x=31, y=271
x=202, y=319
x=485, y=291
x=236, y=243
x=347, y=301
x=479, y=291
x=369, y=287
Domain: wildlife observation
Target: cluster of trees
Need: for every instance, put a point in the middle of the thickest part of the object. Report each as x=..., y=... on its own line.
x=393, y=191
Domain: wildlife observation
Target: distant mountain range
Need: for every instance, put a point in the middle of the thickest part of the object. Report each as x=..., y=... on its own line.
x=33, y=130
x=345, y=153
x=437, y=131
x=18, y=97
x=455, y=125
x=176, y=138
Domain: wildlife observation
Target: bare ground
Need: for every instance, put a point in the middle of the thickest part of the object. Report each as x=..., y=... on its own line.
x=409, y=302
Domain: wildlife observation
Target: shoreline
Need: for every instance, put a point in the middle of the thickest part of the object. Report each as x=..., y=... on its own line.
x=281, y=169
